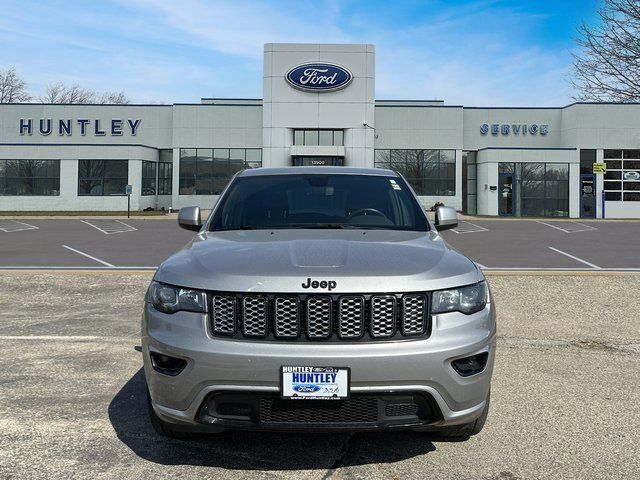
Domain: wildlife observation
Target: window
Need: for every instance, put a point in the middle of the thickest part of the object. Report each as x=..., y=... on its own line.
x=102, y=177
x=148, y=178
x=253, y=158
x=206, y=171
x=469, y=183
x=587, y=159
x=429, y=172
x=30, y=177
x=165, y=178
x=165, y=172
x=319, y=201
x=622, y=180
x=542, y=189
x=311, y=137
x=318, y=137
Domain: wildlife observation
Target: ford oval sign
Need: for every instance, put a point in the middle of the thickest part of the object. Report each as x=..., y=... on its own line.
x=632, y=175
x=319, y=77
x=306, y=388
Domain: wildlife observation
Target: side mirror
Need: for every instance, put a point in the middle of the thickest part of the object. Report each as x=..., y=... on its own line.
x=189, y=218
x=446, y=218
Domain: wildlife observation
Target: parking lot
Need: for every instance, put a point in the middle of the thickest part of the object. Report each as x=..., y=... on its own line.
x=549, y=244
x=564, y=398
x=495, y=244
x=89, y=243
x=565, y=390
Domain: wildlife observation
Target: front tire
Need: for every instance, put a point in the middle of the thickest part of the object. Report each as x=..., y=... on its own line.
x=466, y=430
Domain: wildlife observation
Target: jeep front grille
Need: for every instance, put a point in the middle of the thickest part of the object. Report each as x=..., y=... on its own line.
x=255, y=320
x=223, y=312
x=414, y=314
x=351, y=317
x=320, y=317
x=287, y=315
x=383, y=316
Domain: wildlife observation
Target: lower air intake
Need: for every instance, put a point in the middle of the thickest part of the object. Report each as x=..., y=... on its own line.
x=356, y=409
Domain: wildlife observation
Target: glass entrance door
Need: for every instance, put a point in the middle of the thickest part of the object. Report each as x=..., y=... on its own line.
x=506, y=194
x=587, y=196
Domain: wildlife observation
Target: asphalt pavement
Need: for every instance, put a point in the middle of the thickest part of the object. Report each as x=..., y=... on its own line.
x=495, y=244
x=565, y=392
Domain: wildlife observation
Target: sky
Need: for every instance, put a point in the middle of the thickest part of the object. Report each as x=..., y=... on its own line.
x=465, y=52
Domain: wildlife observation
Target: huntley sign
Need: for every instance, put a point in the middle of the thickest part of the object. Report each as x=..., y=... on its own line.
x=67, y=127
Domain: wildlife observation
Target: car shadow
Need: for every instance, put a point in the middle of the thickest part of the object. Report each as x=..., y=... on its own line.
x=255, y=450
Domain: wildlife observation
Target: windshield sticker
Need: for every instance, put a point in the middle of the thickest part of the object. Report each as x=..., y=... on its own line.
x=394, y=185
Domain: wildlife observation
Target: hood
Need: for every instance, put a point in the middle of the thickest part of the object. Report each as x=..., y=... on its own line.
x=358, y=261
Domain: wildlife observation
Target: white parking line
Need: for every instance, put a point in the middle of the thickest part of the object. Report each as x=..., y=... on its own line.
x=109, y=227
x=585, y=228
x=64, y=338
x=9, y=226
x=576, y=258
x=89, y=256
x=80, y=267
x=563, y=269
x=474, y=228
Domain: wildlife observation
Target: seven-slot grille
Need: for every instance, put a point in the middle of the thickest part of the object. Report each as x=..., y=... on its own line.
x=300, y=317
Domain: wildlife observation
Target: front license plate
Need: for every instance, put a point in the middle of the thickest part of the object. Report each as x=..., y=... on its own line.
x=314, y=383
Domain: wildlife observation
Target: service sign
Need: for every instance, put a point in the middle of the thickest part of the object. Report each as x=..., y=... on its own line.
x=314, y=383
x=319, y=77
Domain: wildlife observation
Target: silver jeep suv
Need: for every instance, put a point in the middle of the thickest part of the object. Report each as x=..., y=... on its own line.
x=318, y=298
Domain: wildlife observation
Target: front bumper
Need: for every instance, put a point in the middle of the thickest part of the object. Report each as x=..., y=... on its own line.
x=407, y=367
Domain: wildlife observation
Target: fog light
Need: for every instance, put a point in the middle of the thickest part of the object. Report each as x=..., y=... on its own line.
x=470, y=365
x=167, y=365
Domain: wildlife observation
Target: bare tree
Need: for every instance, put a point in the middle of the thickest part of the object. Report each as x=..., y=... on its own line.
x=608, y=66
x=60, y=93
x=117, y=98
x=75, y=94
x=13, y=89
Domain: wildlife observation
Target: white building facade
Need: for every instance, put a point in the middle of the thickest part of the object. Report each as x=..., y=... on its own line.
x=319, y=108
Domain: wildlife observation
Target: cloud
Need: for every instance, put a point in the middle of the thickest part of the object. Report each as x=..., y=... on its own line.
x=241, y=28
x=482, y=52
x=474, y=53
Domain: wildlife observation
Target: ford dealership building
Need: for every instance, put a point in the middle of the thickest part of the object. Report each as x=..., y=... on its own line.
x=318, y=108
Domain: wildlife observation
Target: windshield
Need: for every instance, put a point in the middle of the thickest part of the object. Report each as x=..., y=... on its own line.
x=319, y=201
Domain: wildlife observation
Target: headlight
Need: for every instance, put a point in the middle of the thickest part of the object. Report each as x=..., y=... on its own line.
x=169, y=299
x=467, y=300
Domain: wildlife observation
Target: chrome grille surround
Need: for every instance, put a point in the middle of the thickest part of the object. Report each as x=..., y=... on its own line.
x=296, y=317
x=414, y=314
x=254, y=316
x=382, y=319
x=223, y=314
x=287, y=317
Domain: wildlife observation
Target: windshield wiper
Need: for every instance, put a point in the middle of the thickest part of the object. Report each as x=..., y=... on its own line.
x=328, y=226
x=240, y=227
x=336, y=226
